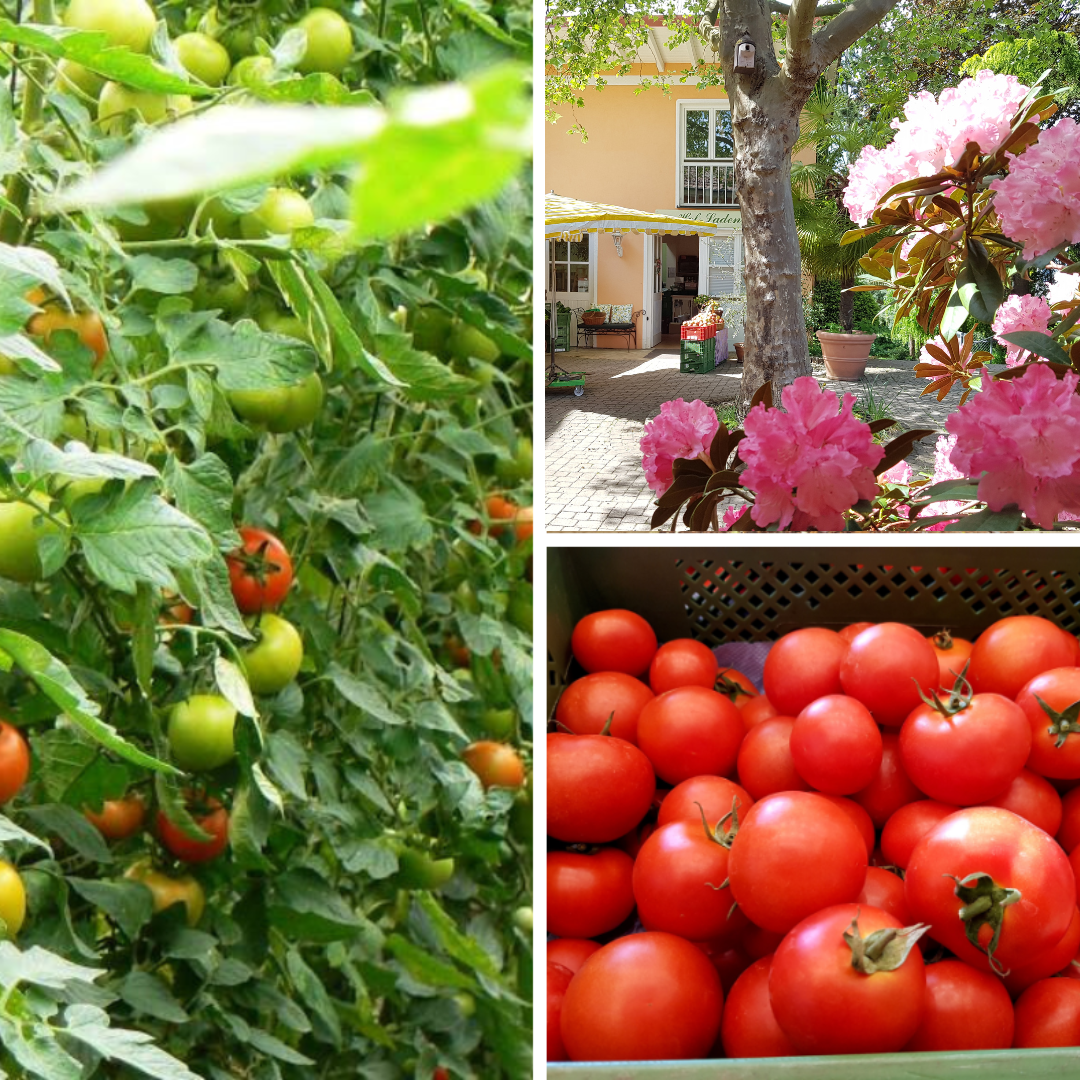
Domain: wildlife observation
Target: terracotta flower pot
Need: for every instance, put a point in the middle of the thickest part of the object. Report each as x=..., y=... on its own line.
x=845, y=354
x=738, y=346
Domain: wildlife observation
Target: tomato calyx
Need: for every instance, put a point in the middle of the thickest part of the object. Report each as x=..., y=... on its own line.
x=984, y=905
x=883, y=950
x=943, y=640
x=722, y=834
x=730, y=688
x=959, y=697
x=1062, y=724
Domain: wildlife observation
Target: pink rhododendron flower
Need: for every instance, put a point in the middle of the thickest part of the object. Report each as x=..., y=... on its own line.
x=682, y=430
x=1020, y=313
x=900, y=473
x=810, y=463
x=1023, y=434
x=731, y=515
x=944, y=470
x=1039, y=201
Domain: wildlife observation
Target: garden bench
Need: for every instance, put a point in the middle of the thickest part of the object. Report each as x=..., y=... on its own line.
x=621, y=320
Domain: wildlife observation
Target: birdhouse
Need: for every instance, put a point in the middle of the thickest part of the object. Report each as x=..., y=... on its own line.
x=744, y=55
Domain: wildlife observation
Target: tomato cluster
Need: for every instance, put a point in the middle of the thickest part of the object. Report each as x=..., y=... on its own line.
x=880, y=852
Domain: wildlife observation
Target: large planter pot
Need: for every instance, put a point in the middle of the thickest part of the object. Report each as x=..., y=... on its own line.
x=738, y=346
x=845, y=354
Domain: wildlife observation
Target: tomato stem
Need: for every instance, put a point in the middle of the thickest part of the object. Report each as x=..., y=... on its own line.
x=1061, y=723
x=882, y=950
x=984, y=904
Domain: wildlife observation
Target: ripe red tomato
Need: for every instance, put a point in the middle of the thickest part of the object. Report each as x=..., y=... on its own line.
x=968, y=755
x=908, y=825
x=794, y=854
x=614, y=640
x=1034, y=799
x=260, y=571
x=963, y=1009
x=749, y=1028
x=885, y=668
x=1008, y=853
x=738, y=688
x=765, y=764
x=729, y=960
x=558, y=979
x=14, y=761
x=1068, y=833
x=952, y=653
x=859, y=818
x=118, y=818
x=689, y=732
x=803, y=666
x=1014, y=650
x=835, y=745
x=813, y=982
x=1054, y=960
x=1059, y=688
x=682, y=662
x=885, y=890
x=571, y=952
x=756, y=709
x=1048, y=1014
x=760, y=943
x=587, y=703
x=599, y=788
x=588, y=894
x=211, y=817
x=891, y=788
x=853, y=630
x=495, y=763
x=645, y=997
x=715, y=794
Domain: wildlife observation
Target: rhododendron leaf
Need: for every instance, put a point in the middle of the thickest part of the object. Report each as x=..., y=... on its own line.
x=883, y=424
x=1007, y=520
x=950, y=207
x=1074, y=353
x=956, y=311
x=938, y=353
x=971, y=152
x=1040, y=344
x=900, y=447
x=876, y=269
x=857, y=234
x=965, y=490
x=690, y=467
x=888, y=243
x=1001, y=240
x=681, y=490
x=662, y=514
x=703, y=513
x=718, y=480
x=763, y=395
x=932, y=185
x=1040, y=262
x=1072, y=268
x=984, y=301
x=1060, y=370
x=743, y=523
x=1068, y=322
x=866, y=288
x=718, y=452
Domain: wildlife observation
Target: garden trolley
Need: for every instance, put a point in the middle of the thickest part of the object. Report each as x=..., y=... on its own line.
x=758, y=593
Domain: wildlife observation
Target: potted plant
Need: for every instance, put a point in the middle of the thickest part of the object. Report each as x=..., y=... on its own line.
x=593, y=316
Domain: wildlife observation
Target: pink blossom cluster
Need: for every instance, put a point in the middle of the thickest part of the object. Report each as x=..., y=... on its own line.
x=1039, y=201
x=933, y=134
x=810, y=462
x=1023, y=437
x=944, y=470
x=682, y=430
x=1020, y=313
x=731, y=515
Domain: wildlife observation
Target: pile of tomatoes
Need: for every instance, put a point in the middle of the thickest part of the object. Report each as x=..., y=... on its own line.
x=879, y=853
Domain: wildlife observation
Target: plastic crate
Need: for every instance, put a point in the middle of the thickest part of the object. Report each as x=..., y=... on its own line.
x=758, y=593
x=697, y=357
x=697, y=333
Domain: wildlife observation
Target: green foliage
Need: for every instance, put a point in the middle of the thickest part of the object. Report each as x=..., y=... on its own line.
x=1029, y=57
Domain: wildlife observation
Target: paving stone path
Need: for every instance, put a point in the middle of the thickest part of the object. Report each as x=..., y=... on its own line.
x=593, y=474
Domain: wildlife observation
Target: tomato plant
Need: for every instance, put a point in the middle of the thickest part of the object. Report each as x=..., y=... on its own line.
x=14, y=761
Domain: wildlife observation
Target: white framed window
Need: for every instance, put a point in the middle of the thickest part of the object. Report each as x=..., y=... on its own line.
x=720, y=258
x=706, y=154
x=571, y=264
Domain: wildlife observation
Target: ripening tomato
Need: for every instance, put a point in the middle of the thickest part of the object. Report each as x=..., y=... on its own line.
x=274, y=660
x=558, y=979
x=329, y=44
x=1014, y=650
x=87, y=325
x=118, y=818
x=749, y=1028
x=167, y=891
x=952, y=653
x=891, y=788
x=12, y=898
x=756, y=709
x=588, y=894
x=203, y=57
x=963, y=1009
x=211, y=817
x=645, y=997
x=614, y=640
x=735, y=686
x=599, y=788
x=14, y=761
x=816, y=979
x=803, y=666
x=1068, y=833
x=908, y=825
x=571, y=952
x=885, y=668
x=523, y=524
x=281, y=213
x=713, y=796
x=495, y=763
x=1048, y=1014
x=1034, y=799
x=1048, y=963
x=125, y=23
x=682, y=662
x=765, y=765
x=885, y=890
x=835, y=745
x=794, y=854
x=859, y=818
x=690, y=732
x=853, y=630
x=587, y=704
x=1055, y=742
x=260, y=571
x=202, y=732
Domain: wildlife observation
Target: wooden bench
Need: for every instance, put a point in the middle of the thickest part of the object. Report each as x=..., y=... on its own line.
x=620, y=329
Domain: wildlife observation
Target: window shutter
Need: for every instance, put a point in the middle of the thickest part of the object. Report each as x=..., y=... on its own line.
x=721, y=279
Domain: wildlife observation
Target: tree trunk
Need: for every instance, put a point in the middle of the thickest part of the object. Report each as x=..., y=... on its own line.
x=847, y=306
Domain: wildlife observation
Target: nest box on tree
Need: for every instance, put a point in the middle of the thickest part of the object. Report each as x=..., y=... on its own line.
x=744, y=54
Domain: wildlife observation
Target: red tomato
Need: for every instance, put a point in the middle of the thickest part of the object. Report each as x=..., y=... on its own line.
x=968, y=755
x=765, y=764
x=683, y=662
x=756, y=709
x=586, y=704
x=118, y=819
x=211, y=817
x=570, y=952
x=588, y=894
x=1050, y=962
x=760, y=943
x=1048, y=1014
x=598, y=788
x=952, y=654
x=631, y=842
x=908, y=826
x=885, y=668
x=1068, y=833
x=803, y=666
x=852, y=631
x=260, y=571
x=859, y=817
x=885, y=890
x=614, y=640
x=645, y=997
x=730, y=961
x=715, y=794
x=689, y=732
x=1014, y=650
x=1059, y=688
x=835, y=745
x=14, y=761
x=813, y=984
x=891, y=788
x=1009, y=853
x=1034, y=799
x=794, y=854
x=558, y=979
x=963, y=1009
x=749, y=1028
x=735, y=686
x=680, y=882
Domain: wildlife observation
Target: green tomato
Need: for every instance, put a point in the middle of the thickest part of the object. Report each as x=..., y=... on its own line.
x=519, y=468
x=418, y=870
x=201, y=732
x=202, y=56
x=498, y=723
x=252, y=71
x=281, y=212
x=431, y=329
x=519, y=610
x=523, y=919
x=118, y=108
x=466, y=1004
x=329, y=42
x=280, y=409
x=220, y=293
x=73, y=78
x=274, y=660
x=274, y=321
x=521, y=817
x=466, y=341
x=77, y=488
x=21, y=527
x=128, y=24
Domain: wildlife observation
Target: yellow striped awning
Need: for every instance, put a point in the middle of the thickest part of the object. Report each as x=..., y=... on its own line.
x=570, y=219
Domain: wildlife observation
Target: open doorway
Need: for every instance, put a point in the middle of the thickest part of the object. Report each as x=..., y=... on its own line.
x=678, y=284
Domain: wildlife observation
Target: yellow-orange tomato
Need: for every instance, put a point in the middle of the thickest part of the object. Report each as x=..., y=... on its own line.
x=497, y=508
x=118, y=818
x=523, y=524
x=87, y=324
x=14, y=761
x=495, y=763
x=167, y=891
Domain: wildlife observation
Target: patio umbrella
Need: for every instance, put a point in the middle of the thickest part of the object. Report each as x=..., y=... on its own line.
x=569, y=219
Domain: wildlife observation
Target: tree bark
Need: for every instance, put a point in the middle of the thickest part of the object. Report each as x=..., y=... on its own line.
x=847, y=306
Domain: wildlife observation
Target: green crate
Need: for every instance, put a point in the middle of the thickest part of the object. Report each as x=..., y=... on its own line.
x=697, y=357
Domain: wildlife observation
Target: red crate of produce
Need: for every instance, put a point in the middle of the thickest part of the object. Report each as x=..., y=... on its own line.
x=698, y=333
